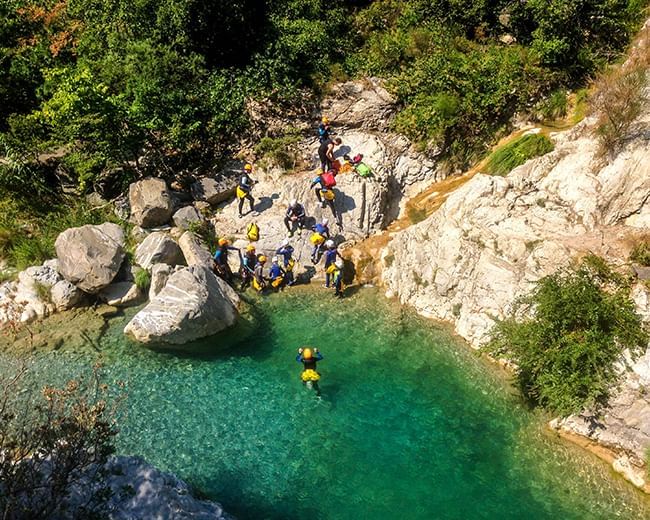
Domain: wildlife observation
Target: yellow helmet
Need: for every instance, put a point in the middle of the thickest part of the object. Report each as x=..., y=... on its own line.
x=250, y=248
x=325, y=120
x=248, y=167
x=307, y=353
x=261, y=259
x=223, y=242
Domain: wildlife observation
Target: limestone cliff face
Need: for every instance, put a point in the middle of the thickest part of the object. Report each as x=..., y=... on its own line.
x=495, y=236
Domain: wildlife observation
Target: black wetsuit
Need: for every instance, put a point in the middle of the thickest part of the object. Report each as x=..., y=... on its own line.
x=325, y=162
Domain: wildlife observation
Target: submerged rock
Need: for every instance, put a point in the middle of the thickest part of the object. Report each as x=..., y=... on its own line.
x=193, y=304
x=90, y=256
x=151, y=203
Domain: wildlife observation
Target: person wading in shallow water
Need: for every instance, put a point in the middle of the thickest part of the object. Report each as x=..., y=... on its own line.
x=309, y=375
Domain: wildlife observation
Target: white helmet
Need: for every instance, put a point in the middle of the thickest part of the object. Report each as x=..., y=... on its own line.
x=285, y=242
x=339, y=263
x=274, y=259
x=326, y=221
x=329, y=244
x=293, y=203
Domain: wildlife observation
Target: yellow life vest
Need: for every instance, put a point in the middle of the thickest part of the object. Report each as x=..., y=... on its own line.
x=316, y=239
x=309, y=375
x=253, y=232
x=290, y=265
x=241, y=193
x=328, y=194
x=332, y=269
x=256, y=285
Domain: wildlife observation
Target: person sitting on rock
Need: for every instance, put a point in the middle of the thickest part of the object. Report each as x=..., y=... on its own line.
x=248, y=266
x=309, y=358
x=277, y=275
x=221, y=266
x=324, y=130
x=259, y=280
x=244, y=189
x=295, y=217
x=286, y=251
x=326, y=153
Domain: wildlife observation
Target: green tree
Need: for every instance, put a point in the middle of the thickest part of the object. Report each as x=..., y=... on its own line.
x=567, y=336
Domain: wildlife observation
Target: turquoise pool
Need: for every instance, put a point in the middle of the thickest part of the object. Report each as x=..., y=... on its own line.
x=411, y=425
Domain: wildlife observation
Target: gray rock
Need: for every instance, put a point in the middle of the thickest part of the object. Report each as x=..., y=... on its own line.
x=42, y=274
x=158, y=247
x=194, y=250
x=159, y=275
x=214, y=191
x=151, y=203
x=193, y=304
x=121, y=207
x=186, y=216
x=90, y=256
x=66, y=296
x=121, y=294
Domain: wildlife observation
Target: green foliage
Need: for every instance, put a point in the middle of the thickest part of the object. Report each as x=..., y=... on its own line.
x=28, y=229
x=460, y=86
x=282, y=151
x=517, y=152
x=555, y=106
x=641, y=253
x=143, y=279
x=568, y=334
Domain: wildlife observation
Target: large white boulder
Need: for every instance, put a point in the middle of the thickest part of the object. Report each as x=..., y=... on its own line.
x=157, y=248
x=90, y=256
x=151, y=202
x=193, y=304
x=194, y=250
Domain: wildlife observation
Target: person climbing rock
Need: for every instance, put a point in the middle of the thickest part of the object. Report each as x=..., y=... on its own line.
x=248, y=266
x=244, y=190
x=309, y=374
x=320, y=233
x=221, y=266
x=335, y=270
x=276, y=274
x=324, y=130
x=259, y=280
x=331, y=255
x=286, y=252
x=295, y=217
x=326, y=153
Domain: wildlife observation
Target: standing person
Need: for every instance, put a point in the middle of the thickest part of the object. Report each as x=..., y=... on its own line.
x=324, y=130
x=335, y=270
x=286, y=251
x=309, y=358
x=331, y=254
x=295, y=217
x=259, y=281
x=326, y=153
x=248, y=266
x=244, y=189
x=321, y=232
x=221, y=266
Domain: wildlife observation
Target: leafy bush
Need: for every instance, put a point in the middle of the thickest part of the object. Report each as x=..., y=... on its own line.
x=517, y=152
x=143, y=280
x=281, y=151
x=641, y=253
x=555, y=106
x=568, y=334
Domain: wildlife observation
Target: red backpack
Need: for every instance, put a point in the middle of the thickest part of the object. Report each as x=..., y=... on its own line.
x=328, y=179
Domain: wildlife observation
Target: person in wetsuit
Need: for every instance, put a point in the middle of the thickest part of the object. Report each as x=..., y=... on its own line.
x=309, y=358
x=326, y=153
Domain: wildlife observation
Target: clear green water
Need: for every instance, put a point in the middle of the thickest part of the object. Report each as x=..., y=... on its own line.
x=412, y=424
